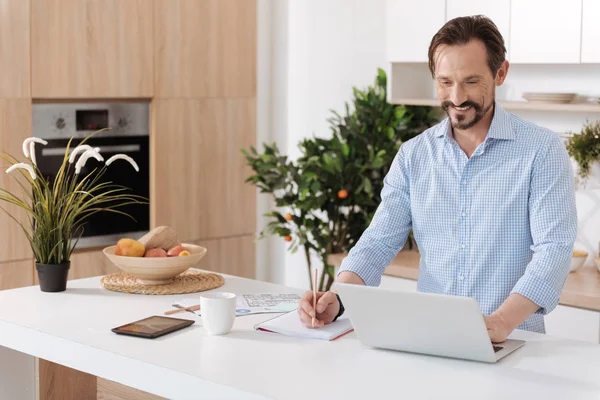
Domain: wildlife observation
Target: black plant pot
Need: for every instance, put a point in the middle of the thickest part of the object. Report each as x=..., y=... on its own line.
x=53, y=277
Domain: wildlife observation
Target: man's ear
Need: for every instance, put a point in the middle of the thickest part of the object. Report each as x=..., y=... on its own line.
x=502, y=72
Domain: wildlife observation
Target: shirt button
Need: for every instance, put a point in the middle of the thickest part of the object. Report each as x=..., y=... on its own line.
x=464, y=214
x=461, y=277
x=465, y=182
x=463, y=245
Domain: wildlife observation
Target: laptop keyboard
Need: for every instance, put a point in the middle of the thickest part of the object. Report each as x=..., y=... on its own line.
x=497, y=348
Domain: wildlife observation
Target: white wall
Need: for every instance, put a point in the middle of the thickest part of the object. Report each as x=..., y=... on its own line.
x=330, y=46
x=319, y=49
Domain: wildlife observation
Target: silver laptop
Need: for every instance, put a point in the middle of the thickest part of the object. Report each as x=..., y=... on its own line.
x=426, y=323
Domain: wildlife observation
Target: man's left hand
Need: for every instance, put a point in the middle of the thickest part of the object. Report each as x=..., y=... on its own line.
x=496, y=327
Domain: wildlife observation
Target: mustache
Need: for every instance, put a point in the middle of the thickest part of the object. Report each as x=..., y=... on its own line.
x=447, y=104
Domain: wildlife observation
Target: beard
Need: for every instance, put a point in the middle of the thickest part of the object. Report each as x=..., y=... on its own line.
x=461, y=121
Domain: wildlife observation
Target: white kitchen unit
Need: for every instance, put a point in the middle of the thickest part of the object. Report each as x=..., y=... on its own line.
x=497, y=10
x=590, y=32
x=410, y=27
x=545, y=31
x=574, y=323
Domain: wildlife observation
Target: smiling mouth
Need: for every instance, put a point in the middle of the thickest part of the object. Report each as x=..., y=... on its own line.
x=465, y=108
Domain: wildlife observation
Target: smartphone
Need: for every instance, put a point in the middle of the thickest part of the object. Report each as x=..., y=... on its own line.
x=153, y=327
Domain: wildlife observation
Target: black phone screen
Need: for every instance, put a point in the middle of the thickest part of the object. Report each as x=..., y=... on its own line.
x=152, y=327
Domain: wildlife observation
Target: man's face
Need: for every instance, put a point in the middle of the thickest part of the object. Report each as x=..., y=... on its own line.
x=465, y=85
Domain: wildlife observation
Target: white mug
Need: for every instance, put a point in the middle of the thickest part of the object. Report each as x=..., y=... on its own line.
x=218, y=312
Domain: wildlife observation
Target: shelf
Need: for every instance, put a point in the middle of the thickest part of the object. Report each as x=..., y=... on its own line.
x=514, y=105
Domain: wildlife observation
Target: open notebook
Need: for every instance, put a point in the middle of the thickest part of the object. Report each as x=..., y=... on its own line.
x=289, y=324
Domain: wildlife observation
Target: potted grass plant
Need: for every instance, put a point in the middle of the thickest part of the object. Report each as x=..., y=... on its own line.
x=58, y=209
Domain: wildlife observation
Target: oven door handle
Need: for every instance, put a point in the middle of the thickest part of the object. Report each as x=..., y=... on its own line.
x=123, y=148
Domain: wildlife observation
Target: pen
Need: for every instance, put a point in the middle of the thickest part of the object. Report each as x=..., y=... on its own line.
x=314, y=297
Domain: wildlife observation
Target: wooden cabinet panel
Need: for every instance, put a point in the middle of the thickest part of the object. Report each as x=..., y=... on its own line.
x=15, y=126
x=14, y=49
x=205, y=48
x=409, y=28
x=198, y=183
x=16, y=274
x=109, y=390
x=545, y=31
x=91, y=48
x=58, y=382
x=233, y=256
x=89, y=263
x=590, y=32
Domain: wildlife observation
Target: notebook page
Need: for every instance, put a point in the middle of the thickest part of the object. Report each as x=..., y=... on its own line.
x=289, y=324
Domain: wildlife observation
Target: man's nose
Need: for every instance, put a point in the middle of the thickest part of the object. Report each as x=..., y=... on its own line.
x=458, y=95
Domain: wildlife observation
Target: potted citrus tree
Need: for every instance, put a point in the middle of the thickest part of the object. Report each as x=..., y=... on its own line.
x=326, y=198
x=57, y=210
x=584, y=147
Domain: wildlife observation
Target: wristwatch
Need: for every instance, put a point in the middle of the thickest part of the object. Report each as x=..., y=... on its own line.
x=339, y=314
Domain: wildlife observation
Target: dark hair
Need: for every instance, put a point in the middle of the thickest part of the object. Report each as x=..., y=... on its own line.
x=462, y=30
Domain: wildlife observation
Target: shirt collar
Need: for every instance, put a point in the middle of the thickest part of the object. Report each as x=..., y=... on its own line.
x=500, y=128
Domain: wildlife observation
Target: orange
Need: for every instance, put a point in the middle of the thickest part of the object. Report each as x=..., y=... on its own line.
x=288, y=216
x=287, y=238
x=342, y=194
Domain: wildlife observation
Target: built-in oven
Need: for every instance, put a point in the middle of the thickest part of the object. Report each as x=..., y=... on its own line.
x=129, y=131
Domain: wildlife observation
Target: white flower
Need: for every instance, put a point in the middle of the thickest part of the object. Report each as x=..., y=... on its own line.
x=123, y=157
x=32, y=151
x=27, y=147
x=78, y=150
x=95, y=152
x=28, y=167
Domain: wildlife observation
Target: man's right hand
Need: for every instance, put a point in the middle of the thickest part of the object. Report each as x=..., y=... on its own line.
x=328, y=307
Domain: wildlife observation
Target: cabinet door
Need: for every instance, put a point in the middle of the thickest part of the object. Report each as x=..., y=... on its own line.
x=205, y=48
x=89, y=263
x=590, y=32
x=410, y=27
x=545, y=31
x=497, y=10
x=16, y=274
x=14, y=49
x=233, y=256
x=15, y=126
x=91, y=48
x=574, y=323
x=198, y=183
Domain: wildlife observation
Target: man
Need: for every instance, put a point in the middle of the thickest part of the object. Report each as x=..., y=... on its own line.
x=489, y=196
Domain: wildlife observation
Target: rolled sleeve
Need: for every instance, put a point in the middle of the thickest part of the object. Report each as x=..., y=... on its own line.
x=553, y=225
x=388, y=230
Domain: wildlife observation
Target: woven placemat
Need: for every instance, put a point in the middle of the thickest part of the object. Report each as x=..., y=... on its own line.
x=189, y=281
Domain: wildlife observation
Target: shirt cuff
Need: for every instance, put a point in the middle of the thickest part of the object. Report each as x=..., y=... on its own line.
x=370, y=275
x=542, y=293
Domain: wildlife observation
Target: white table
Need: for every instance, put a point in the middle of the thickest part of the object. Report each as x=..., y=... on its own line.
x=73, y=329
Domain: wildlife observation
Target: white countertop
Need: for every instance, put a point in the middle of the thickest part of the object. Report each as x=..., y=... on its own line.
x=73, y=328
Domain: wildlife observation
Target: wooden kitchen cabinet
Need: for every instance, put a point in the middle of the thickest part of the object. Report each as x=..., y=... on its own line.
x=590, y=32
x=410, y=27
x=89, y=263
x=232, y=255
x=91, y=48
x=497, y=10
x=16, y=274
x=14, y=49
x=545, y=31
x=205, y=48
x=198, y=174
x=15, y=126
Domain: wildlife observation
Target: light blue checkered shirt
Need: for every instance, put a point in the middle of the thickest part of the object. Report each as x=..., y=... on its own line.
x=503, y=221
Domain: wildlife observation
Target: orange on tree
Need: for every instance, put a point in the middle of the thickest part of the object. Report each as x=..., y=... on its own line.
x=287, y=238
x=288, y=216
x=342, y=194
